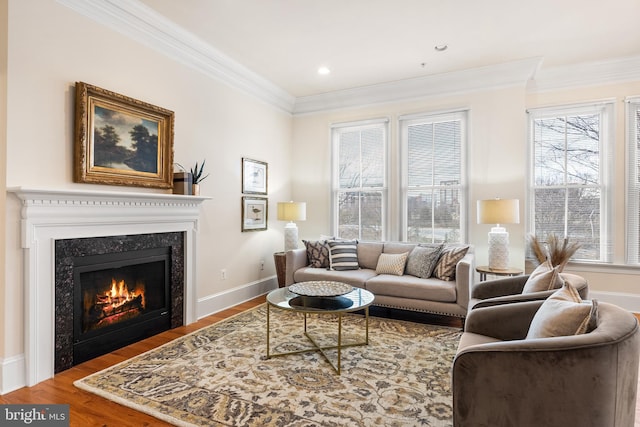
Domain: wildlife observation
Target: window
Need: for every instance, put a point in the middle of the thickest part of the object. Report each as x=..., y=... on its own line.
x=633, y=181
x=434, y=195
x=360, y=180
x=568, y=183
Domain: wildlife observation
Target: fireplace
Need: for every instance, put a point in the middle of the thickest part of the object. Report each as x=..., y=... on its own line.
x=113, y=291
x=53, y=217
x=119, y=299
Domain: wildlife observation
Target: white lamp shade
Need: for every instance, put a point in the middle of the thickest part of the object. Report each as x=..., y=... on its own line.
x=499, y=211
x=292, y=211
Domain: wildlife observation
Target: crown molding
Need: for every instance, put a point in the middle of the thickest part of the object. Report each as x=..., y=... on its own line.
x=514, y=73
x=141, y=23
x=586, y=74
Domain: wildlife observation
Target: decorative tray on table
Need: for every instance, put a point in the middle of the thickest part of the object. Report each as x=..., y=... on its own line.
x=320, y=289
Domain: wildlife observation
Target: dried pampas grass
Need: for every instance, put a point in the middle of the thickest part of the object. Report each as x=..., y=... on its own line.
x=558, y=251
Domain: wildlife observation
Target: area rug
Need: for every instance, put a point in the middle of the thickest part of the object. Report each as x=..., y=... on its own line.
x=220, y=376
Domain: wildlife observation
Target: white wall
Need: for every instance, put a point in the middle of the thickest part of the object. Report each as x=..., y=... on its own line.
x=495, y=154
x=50, y=47
x=497, y=167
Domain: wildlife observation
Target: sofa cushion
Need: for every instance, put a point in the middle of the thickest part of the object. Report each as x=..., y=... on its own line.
x=412, y=287
x=446, y=267
x=564, y=313
x=343, y=255
x=545, y=277
x=422, y=260
x=368, y=254
x=392, y=264
x=317, y=253
x=351, y=277
x=398, y=247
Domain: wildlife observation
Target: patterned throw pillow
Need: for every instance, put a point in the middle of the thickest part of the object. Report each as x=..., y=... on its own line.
x=545, y=277
x=343, y=254
x=422, y=260
x=317, y=253
x=392, y=264
x=564, y=313
x=446, y=267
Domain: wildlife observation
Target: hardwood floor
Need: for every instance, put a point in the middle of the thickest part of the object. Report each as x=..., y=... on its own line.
x=89, y=410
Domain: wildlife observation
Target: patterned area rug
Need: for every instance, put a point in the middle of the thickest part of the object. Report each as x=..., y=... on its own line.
x=219, y=375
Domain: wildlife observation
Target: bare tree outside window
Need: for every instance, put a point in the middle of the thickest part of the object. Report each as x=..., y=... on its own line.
x=361, y=182
x=568, y=180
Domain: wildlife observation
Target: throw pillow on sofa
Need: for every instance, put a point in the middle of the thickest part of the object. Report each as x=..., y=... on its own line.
x=545, y=277
x=422, y=260
x=564, y=313
x=317, y=253
x=446, y=267
x=343, y=255
x=392, y=264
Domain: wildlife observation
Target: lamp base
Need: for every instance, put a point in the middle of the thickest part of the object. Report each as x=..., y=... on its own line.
x=290, y=236
x=498, y=248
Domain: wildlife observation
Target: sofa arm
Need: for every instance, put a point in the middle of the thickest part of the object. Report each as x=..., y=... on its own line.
x=296, y=259
x=464, y=279
x=499, y=287
x=505, y=322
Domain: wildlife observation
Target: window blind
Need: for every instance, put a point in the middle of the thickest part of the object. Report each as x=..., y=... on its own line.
x=633, y=180
x=433, y=179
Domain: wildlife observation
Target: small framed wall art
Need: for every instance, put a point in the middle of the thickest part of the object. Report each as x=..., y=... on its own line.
x=254, y=176
x=121, y=141
x=254, y=213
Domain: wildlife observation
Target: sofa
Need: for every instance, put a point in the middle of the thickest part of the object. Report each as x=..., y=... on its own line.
x=448, y=296
x=512, y=369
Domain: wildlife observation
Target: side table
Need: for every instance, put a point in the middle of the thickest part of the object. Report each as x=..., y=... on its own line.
x=280, y=259
x=484, y=270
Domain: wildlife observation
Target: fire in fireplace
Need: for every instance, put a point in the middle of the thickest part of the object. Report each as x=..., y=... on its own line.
x=116, y=305
x=119, y=298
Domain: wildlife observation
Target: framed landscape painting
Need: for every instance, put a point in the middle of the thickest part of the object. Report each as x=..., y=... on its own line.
x=121, y=140
x=254, y=213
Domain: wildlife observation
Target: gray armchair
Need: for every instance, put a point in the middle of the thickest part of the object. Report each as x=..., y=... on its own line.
x=509, y=289
x=499, y=378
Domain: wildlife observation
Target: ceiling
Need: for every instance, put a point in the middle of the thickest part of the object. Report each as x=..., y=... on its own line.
x=369, y=42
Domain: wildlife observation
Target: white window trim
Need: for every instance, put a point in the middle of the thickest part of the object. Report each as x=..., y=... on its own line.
x=607, y=111
x=358, y=125
x=407, y=120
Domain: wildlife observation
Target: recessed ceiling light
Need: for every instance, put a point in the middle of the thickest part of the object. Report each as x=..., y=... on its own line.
x=441, y=47
x=324, y=70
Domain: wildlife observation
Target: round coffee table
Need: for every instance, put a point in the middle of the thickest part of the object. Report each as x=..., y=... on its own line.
x=320, y=303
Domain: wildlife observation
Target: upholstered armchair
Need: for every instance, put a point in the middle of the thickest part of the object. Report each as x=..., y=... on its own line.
x=510, y=289
x=502, y=378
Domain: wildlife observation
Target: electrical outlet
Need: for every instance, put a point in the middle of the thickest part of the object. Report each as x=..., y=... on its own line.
x=261, y=264
x=223, y=274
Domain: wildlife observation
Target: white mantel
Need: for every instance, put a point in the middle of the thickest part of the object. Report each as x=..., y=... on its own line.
x=49, y=215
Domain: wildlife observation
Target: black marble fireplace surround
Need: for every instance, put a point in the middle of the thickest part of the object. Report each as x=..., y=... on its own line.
x=69, y=250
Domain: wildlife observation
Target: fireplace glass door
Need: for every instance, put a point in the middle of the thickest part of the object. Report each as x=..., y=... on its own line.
x=119, y=298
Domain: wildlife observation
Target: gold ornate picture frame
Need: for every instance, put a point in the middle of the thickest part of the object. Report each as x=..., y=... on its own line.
x=254, y=213
x=121, y=140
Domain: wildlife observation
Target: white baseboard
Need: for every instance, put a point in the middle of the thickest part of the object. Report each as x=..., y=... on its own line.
x=12, y=374
x=627, y=301
x=12, y=369
x=217, y=302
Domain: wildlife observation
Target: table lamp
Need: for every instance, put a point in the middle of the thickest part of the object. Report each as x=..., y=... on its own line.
x=499, y=211
x=291, y=211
